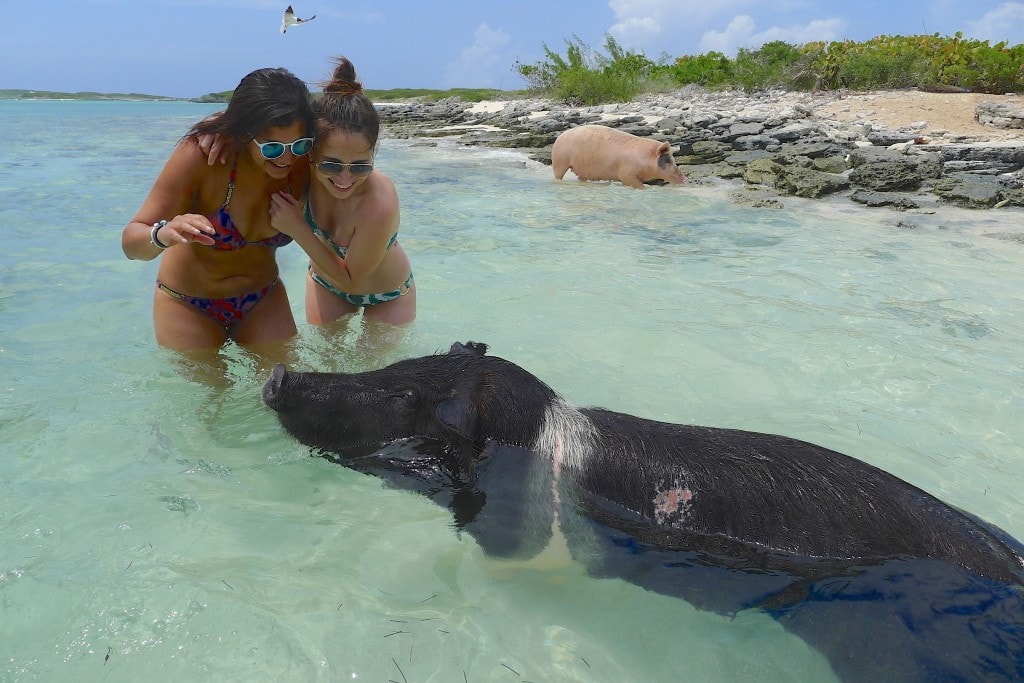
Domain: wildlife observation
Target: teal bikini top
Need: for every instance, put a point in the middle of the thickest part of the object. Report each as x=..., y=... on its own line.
x=341, y=251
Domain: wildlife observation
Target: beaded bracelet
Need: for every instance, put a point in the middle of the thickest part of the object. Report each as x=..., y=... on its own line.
x=154, y=239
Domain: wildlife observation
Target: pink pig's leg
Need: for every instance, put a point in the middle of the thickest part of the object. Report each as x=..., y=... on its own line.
x=632, y=180
x=559, y=169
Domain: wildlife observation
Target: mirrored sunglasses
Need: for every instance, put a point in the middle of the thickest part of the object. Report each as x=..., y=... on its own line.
x=329, y=168
x=274, y=149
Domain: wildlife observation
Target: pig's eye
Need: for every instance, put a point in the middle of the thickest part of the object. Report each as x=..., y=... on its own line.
x=402, y=396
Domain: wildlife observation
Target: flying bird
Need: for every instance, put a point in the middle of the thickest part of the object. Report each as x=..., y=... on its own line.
x=290, y=19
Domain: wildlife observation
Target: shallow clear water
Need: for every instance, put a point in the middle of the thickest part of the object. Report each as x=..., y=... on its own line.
x=155, y=525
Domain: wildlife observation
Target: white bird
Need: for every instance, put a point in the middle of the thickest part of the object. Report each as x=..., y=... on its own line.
x=290, y=19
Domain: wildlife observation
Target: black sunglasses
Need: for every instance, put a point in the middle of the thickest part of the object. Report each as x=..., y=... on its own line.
x=329, y=168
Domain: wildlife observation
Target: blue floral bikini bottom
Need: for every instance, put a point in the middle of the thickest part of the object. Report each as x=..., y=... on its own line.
x=228, y=311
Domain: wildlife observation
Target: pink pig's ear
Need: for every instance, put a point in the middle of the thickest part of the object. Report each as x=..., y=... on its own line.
x=665, y=148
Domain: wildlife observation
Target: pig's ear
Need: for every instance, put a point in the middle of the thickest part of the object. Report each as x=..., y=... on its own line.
x=458, y=419
x=457, y=415
x=471, y=348
x=665, y=148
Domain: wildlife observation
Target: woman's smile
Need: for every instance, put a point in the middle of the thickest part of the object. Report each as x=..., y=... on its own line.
x=344, y=186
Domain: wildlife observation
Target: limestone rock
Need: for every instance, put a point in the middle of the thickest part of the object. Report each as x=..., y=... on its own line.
x=1000, y=115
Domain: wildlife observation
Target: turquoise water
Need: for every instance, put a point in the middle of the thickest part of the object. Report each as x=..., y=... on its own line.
x=153, y=525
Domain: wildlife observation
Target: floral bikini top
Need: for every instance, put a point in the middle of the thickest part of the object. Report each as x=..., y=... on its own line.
x=340, y=250
x=227, y=236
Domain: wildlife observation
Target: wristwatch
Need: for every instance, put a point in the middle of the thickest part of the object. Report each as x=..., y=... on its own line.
x=154, y=239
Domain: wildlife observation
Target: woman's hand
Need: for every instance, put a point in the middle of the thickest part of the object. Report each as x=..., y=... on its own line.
x=213, y=147
x=286, y=214
x=188, y=227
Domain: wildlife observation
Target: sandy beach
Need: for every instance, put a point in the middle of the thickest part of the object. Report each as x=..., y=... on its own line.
x=950, y=112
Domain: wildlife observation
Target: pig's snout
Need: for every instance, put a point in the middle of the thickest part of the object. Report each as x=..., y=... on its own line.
x=272, y=389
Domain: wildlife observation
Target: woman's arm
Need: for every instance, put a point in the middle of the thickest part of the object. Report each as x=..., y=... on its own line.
x=286, y=217
x=172, y=194
x=377, y=225
x=365, y=252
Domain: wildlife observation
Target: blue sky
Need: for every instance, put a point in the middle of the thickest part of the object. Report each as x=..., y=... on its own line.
x=186, y=48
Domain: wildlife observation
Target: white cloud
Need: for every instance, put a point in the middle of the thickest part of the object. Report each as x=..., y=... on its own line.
x=819, y=29
x=736, y=34
x=643, y=22
x=1005, y=22
x=636, y=29
x=742, y=32
x=482, y=64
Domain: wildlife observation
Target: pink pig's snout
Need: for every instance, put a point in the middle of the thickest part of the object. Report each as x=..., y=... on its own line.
x=668, y=171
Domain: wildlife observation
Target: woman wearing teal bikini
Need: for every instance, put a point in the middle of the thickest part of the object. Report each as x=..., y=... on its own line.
x=348, y=223
x=212, y=225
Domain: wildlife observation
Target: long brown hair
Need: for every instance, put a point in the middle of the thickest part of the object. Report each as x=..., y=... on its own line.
x=264, y=98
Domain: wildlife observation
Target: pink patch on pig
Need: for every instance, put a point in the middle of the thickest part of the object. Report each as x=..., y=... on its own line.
x=673, y=505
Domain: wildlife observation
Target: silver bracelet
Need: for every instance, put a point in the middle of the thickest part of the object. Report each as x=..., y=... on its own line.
x=154, y=239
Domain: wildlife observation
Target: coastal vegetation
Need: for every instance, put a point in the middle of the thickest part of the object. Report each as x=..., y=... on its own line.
x=216, y=97
x=9, y=94
x=584, y=76
x=429, y=95
x=402, y=95
x=393, y=95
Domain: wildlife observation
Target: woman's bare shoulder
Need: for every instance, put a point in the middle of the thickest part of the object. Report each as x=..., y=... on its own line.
x=384, y=197
x=377, y=214
x=189, y=157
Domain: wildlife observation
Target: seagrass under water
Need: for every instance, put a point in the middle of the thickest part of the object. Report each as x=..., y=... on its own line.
x=153, y=525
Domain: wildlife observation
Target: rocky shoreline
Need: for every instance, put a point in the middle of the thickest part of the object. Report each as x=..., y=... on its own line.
x=770, y=144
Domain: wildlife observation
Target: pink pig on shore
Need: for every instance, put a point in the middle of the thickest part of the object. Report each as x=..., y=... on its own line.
x=602, y=153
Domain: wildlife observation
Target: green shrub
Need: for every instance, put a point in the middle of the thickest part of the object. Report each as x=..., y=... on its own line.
x=711, y=70
x=889, y=62
x=582, y=76
x=882, y=63
x=769, y=66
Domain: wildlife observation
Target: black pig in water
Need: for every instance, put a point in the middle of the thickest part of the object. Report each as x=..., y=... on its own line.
x=886, y=580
